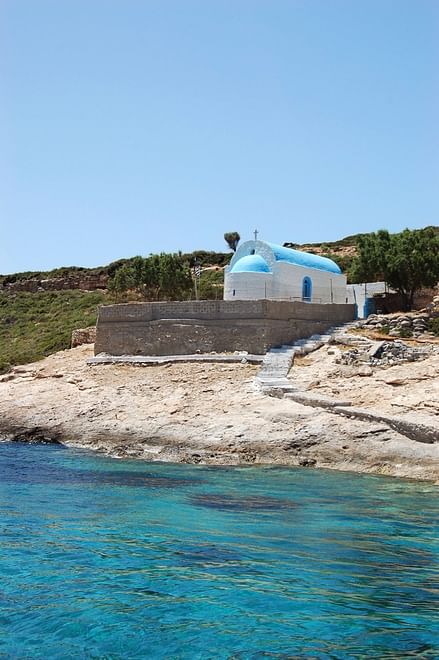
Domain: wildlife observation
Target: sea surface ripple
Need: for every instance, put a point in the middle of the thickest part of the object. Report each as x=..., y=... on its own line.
x=102, y=558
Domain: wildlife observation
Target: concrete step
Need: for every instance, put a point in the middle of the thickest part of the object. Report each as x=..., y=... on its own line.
x=275, y=384
x=278, y=361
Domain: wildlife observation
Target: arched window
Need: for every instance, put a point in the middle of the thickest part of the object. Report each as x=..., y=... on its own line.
x=306, y=289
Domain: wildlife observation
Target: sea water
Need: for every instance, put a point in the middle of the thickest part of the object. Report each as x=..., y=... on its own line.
x=103, y=558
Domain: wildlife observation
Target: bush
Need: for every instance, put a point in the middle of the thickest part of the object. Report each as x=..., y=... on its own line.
x=4, y=366
x=433, y=326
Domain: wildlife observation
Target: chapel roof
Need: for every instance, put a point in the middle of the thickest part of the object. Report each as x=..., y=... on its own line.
x=252, y=263
x=260, y=257
x=305, y=259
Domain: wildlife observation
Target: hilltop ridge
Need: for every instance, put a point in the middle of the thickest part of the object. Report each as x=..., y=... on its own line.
x=341, y=251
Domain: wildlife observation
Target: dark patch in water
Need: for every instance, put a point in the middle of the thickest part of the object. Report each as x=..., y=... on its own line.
x=56, y=474
x=234, y=503
x=206, y=553
x=124, y=478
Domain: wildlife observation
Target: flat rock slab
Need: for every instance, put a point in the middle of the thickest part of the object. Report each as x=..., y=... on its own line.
x=413, y=430
x=168, y=359
x=316, y=401
x=420, y=432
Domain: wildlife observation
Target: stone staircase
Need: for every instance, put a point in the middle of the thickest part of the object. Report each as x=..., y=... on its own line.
x=275, y=367
x=277, y=362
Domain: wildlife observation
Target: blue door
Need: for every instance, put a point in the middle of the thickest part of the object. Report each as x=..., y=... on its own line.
x=369, y=307
x=306, y=289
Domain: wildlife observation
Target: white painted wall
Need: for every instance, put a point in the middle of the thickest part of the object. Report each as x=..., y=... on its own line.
x=357, y=293
x=289, y=279
x=248, y=286
x=285, y=283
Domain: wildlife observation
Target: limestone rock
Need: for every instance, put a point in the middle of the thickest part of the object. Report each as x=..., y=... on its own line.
x=209, y=413
x=83, y=336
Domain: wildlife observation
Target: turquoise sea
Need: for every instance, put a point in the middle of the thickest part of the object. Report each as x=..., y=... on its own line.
x=103, y=558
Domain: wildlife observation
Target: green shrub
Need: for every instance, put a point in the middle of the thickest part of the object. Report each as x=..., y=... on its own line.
x=433, y=326
x=4, y=366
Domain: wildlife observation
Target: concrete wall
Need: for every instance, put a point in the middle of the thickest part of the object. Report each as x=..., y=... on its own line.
x=385, y=299
x=357, y=293
x=222, y=326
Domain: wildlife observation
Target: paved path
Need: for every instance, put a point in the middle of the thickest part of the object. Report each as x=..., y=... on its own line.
x=140, y=360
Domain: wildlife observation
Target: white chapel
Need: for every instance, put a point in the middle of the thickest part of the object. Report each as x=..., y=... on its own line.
x=261, y=270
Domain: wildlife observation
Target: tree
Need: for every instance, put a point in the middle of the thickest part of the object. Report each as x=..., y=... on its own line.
x=232, y=239
x=212, y=284
x=175, y=279
x=157, y=277
x=123, y=280
x=407, y=261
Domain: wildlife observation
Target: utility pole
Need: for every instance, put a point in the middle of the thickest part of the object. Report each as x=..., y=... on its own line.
x=197, y=275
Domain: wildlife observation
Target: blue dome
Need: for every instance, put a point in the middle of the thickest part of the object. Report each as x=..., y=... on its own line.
x=304, y=259
x=252, y=263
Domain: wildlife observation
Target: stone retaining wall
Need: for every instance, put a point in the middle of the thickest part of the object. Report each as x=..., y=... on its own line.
x=178, y=328
x=84, y=283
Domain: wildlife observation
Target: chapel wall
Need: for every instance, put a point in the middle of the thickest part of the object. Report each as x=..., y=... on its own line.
x=248, y=286
x=285, y=283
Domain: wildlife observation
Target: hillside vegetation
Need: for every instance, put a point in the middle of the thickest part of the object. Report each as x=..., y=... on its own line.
x=34, y=325
x=343, y=251
x=203, y=257
x=350, y=241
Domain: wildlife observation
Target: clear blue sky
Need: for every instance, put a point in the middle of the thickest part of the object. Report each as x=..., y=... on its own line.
x=136, y=126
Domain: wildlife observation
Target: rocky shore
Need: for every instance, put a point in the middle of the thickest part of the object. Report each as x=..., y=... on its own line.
x=215, y=414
